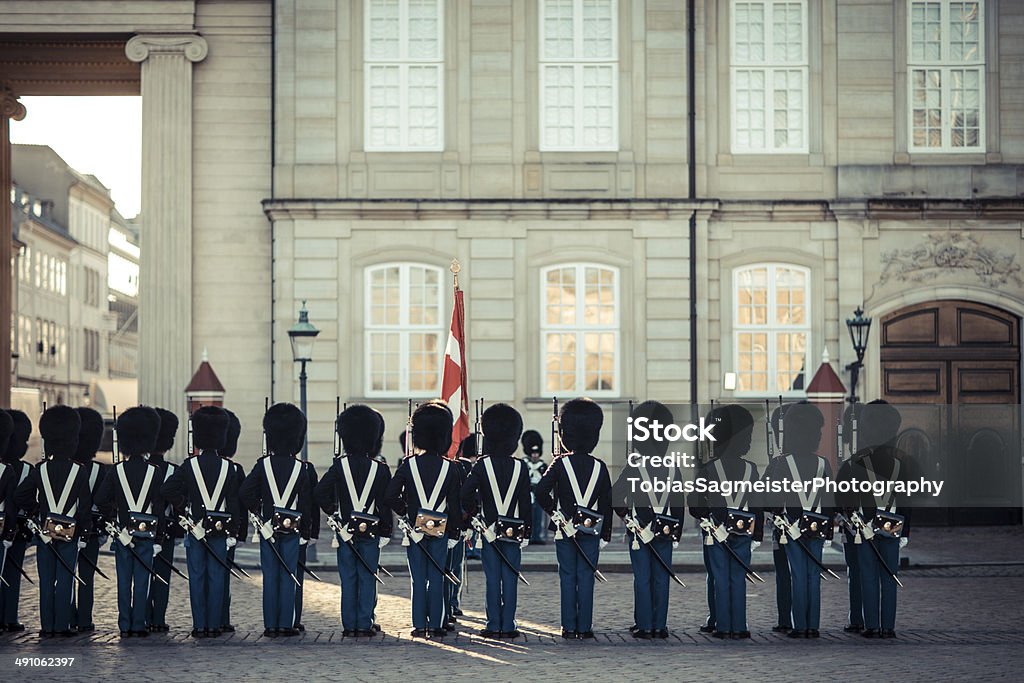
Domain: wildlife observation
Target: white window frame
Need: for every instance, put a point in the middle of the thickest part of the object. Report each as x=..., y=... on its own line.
x=945, y=65
x=770, y=329
x=403, y=328
x=577, y=63
x=769, y=68
x=579, y=329
x=403, y=62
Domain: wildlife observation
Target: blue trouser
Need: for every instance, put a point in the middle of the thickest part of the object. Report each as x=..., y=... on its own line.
x=730, y=583
x=55, y=584
x=81, y=607
x=278, y=586
x=453, y=593
x=853, y=580
x=877, y=587
x=225, y=619
x=650, y=584
x=206, y=581
x=540, y=526
x=502, y=584
x=133, y=584
x=10, y=595
x=427, y=582
x=711, y=620
x=806, y=584
x=358, y=586
x=301, y=576
x=159, y=594
x=576, y=580
x=783, y=587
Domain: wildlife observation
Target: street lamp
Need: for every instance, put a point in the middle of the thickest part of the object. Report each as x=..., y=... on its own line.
x=302, y=335
x=859, y=327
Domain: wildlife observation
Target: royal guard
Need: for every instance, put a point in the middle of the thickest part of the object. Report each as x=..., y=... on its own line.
x=314, y=532
x=89, y=438
x=229, y=450
x=129, y=500
x=18, y=533
x=576, y=492
x=424, y=493
x=170, y=532
x=783, y=579
x=8, y=508
x=351, y=494
x=847, y=505
x=204, y=496
x=533, y=456
x=496, y=496
x=56, y=497
x=278, y=495
x=465, y=457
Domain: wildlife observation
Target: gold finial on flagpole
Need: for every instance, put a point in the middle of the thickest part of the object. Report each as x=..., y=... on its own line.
x=455, y=268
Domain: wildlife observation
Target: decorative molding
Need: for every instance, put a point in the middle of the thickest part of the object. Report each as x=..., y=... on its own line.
x=10, y=107
x=193, y=47
x=941, y=252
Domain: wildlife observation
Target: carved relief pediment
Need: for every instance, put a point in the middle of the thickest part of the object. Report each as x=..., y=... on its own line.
x=944, y=253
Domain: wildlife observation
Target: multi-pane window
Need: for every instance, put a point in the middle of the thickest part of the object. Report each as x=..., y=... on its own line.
x=946, y=76
x=404, y=71
x=769, y=76
x=404, y=327
x=578, y=75
x=771, y=328
x=580, y=329
x=91, y=359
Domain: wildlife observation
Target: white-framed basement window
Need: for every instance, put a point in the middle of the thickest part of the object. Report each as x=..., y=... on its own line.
x=946, y=75
x=580, y=330
x=404, y=317
x=769, y=76
x=771, y=329
x=579, y=75
x=403, y=53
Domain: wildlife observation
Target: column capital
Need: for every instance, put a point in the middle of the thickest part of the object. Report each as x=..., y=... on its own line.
x=189, y=45
x=10, y=107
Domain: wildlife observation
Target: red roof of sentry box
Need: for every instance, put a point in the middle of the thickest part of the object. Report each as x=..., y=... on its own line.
x=205, y=380
x=825, y=380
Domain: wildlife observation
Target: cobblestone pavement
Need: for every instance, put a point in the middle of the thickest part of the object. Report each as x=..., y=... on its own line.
x=955, y=623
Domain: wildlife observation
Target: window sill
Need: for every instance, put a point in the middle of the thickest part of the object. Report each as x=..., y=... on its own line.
x=945, y=158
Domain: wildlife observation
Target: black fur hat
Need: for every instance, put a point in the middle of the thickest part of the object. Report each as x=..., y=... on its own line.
x=377, y=447
x=878, y=424
x=467, y=447
x=210, y=428
x=285, y=426
x=18, y=444
x=59, y=427
x=6, y=429
x=652, y=410
x=168, y=429
x=502, y=426
x=359, y=427
x=580, y=425
x=532, y=442
x=137, y=430
x=432, y=427
x=803, y=425
x=234, y=431
x=90, y=435
x=735, y=431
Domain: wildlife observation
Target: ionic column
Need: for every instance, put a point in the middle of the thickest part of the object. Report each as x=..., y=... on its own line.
x=10, y=108
x=165, y=287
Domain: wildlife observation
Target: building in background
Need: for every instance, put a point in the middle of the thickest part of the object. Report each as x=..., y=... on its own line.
x=76, y=265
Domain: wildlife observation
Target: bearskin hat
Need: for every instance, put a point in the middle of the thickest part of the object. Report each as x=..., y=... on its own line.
x=359, y=429
x=137, y=430
x=168, y=430
x=580, y=424
x=502, y=426
x=285, y=426
x=210, y=428
x=432, y=427
x=90, y=435
x=234, y=431
x=59, y=427
x=532, y=442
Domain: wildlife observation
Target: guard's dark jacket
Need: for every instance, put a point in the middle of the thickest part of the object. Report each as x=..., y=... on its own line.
x=238, y=472
x=101, y=471
x=17, y=529
x=477, y=492
x=169, y=528
x=314, y=518
x=883, y=462
x=554, y=488
x=401, y=495
x=623, y=495
x=255, y=495
x=182, y=489
x=807, y=468
x=110, y=497
x=30, y=497
x=8, y=485
x=331, y=492
x=704, y=504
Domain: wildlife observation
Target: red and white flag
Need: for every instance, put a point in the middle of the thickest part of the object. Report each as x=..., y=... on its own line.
x=453, y=381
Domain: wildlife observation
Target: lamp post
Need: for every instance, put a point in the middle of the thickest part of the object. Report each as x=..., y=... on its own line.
x=859, y=327
x=302, y=335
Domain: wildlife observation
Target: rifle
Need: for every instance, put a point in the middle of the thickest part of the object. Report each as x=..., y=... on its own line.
x=337, y=437
x=408, y=433
x=191, y=446
x=266, y=407
x=769, y=437
x=781, y=429
x=115, y=455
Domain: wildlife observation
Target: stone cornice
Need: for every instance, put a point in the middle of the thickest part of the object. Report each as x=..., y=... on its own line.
x=191, y=46
x=494, y=209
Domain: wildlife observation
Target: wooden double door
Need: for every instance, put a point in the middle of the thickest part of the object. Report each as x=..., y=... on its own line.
x=955, y=367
